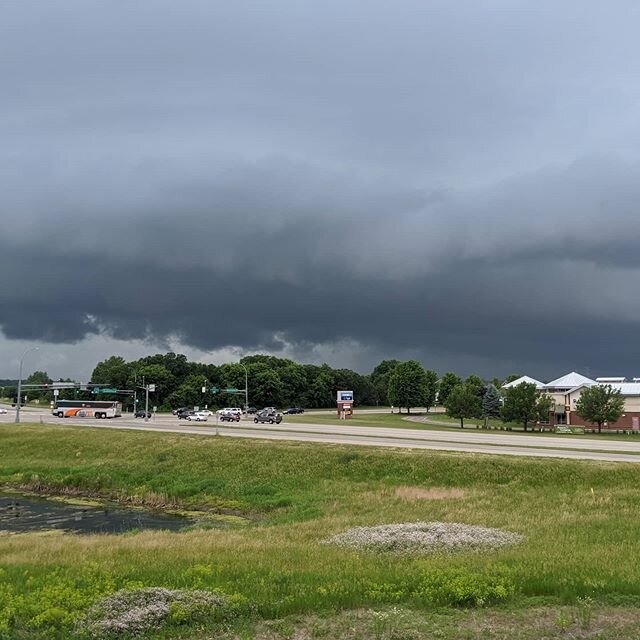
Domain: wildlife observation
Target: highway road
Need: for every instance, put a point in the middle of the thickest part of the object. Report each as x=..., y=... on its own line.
x=486, y=442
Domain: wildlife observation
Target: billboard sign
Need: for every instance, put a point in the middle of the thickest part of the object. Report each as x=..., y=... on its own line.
x=345, y=396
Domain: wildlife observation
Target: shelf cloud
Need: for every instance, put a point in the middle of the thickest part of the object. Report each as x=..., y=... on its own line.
x=349, y=181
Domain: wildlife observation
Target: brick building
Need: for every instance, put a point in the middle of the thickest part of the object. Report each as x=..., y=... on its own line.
x=567, y=389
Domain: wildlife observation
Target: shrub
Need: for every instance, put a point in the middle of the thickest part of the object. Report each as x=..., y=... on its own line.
x=130, y=612
x=424, y=537
x=460, y=587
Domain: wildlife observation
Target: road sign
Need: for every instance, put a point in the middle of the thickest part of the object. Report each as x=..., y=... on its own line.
x=214, y=389
x=152, y=388
x=56, y=392
x=232, y=390
x=104, y=390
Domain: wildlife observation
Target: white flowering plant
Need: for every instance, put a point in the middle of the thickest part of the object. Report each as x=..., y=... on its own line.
x=424, y=538
x=135, y=612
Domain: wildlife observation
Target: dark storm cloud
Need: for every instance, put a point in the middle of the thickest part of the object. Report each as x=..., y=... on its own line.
x=459, y=185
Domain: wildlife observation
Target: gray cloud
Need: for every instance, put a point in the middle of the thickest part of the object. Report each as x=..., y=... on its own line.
x=348, y=181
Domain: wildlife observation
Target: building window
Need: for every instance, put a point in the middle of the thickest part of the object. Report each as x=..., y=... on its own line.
x=561, y=418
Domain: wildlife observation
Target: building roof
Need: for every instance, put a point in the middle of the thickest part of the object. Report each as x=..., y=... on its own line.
x=522, y=379
x=628, y=388
x=569, y=381
x=613, y=379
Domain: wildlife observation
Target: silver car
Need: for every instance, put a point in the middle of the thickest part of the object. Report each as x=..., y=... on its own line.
x=198, y=417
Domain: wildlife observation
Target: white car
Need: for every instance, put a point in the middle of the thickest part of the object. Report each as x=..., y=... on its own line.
x=198, y=416
x=231, y=411
x=3, y=410
x=206, y=412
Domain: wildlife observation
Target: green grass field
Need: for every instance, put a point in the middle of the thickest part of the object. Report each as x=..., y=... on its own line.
x=579, y=558
x=396, y=420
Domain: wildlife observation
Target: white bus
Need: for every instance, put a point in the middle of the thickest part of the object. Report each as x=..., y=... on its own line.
x=87, y=409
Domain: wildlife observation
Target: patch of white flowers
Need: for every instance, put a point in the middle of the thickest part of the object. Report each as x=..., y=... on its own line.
x=133, y=612
x=424, y=537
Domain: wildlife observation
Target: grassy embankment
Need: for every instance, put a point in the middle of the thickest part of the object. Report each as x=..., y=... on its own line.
x=580, y=521
x=439, y=422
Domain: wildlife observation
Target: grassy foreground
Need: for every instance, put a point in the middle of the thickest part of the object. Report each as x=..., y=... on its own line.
x=580, y=521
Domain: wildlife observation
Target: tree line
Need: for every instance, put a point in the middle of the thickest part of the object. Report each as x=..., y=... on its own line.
x=272, y=381
x=281, y=382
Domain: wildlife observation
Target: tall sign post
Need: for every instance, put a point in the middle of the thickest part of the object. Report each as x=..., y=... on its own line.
x=345, y=404
x=152, y=388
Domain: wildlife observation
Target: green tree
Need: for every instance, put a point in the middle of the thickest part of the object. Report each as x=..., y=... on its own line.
x=268, y=389
x=160, y=376
x=521, y=404
x=600, y=403
x=114, y=371
x=294, y=382
x=448, y=382
x=321, y=393
x=380, y=380
x=37, y=377
x=544, y=407
x=476, y=383
x=463, y=402
x=408, y=385
x=189, y=393
x=491, y=403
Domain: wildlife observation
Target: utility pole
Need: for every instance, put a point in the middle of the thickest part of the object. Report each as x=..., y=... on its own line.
x=20, y=382
x=147, y=388
x=246, y=388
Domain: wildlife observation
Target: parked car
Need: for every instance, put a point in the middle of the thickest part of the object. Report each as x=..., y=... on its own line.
x=268, y=416
x=143, y=414
x=197, y=416
x=184, y=413
x=292, y=410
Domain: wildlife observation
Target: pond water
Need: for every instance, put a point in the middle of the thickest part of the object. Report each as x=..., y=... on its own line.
x=21, y=514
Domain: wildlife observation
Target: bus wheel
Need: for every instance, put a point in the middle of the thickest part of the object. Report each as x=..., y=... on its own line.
x=96, y=416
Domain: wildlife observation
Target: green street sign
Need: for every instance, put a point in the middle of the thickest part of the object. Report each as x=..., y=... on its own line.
x=104, y=391
x=232, y=390
x=214, y=389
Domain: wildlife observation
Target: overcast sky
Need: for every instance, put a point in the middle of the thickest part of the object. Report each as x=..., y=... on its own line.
x=340, y=181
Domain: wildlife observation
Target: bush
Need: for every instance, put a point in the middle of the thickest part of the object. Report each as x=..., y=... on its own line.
x=130, y=612
x=459, y=587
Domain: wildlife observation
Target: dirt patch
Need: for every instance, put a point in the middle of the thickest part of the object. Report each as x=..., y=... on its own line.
x=398, y=623
x=413, y=494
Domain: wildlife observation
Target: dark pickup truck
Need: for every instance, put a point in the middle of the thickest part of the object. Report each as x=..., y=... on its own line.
x=268, y=416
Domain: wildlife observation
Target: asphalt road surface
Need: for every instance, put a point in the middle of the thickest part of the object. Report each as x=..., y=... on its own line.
x=486, y=442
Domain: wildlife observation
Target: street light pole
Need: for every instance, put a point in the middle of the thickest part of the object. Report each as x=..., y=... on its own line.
x=246, y=388
x=20, y=382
